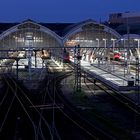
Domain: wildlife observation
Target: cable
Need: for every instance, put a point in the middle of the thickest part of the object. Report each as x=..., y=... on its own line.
x=7, y=113
x=4, y=96
x=46, y=123
x=22, y=106
x=71, y=118
x=43, y=101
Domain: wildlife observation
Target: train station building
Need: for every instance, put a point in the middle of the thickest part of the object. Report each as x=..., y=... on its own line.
x=86, y=33
x=99, y=37
x=56, y=75
x=31, y=40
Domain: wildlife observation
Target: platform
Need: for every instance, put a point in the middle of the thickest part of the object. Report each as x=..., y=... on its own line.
x=115, y=80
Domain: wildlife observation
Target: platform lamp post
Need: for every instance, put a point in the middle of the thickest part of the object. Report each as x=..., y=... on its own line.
x=138, y=40
x=123, y=40
x=113, y=39
x=98, y=45
x=138, y=52
x=105, y=40
x=137, y=94
x=137, y=83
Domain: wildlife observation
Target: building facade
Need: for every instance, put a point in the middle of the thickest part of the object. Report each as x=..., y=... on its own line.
x=121, y=18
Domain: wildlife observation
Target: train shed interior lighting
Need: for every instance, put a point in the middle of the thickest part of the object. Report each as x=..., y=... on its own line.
x=138, y=40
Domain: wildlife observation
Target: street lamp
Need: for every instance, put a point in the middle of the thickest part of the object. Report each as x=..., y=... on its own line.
x=123, y=41
x=113, y=39
x=104, y=39
x=98, y=42
x=124, y=51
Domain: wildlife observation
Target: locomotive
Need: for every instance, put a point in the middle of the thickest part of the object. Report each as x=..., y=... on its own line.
x=115, y=56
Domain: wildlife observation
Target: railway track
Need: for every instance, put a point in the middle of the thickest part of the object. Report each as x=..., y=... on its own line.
x=127, y=111
x=49, y=114
x=28, y=117
x=121, y=98
x=101, y=117
x=70, y=112
x=52, y=120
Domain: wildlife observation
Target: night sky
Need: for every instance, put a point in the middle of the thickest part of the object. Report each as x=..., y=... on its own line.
x=63, y=10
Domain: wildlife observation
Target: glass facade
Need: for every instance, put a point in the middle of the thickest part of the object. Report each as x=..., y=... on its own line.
x=28, y=35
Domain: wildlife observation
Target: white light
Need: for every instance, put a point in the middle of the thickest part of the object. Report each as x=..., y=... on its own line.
x=113, y=39
x=138, y=51
x=104, y=39
x=136, y=39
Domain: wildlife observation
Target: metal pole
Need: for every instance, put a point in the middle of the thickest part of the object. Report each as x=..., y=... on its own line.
x=17, y=70
x=77, y=64
x=35, y=58
x=137, y=92
x=138, y=48
x=105, y=49
x=79, y=68
x=53, y=121
x=97, y=42
x=124, y=54
x=128, y=47
x=137, y=83
x=113, y=40
x=29, y=62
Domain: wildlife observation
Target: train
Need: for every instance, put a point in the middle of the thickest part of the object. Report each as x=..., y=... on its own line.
x=115, y=56
x=66, y=57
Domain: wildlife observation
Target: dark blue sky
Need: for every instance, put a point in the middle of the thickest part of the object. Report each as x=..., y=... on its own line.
x=63, y=10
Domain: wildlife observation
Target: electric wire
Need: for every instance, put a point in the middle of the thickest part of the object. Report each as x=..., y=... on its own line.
x=34, y=127
x=5, y=95
x=46, y=123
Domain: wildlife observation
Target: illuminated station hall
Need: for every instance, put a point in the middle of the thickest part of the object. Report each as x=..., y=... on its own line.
x=85, y=60
x=109, y=56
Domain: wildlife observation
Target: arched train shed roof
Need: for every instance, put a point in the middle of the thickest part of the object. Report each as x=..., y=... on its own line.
x=78, y=27
x=38, y=26
x=132, y=36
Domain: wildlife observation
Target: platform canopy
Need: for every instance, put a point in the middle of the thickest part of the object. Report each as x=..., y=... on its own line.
x=29, y=34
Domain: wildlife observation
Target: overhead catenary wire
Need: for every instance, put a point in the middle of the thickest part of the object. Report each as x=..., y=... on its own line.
x=46, y=123
x=34, y=127
x=4, y=97
x=84, y=129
